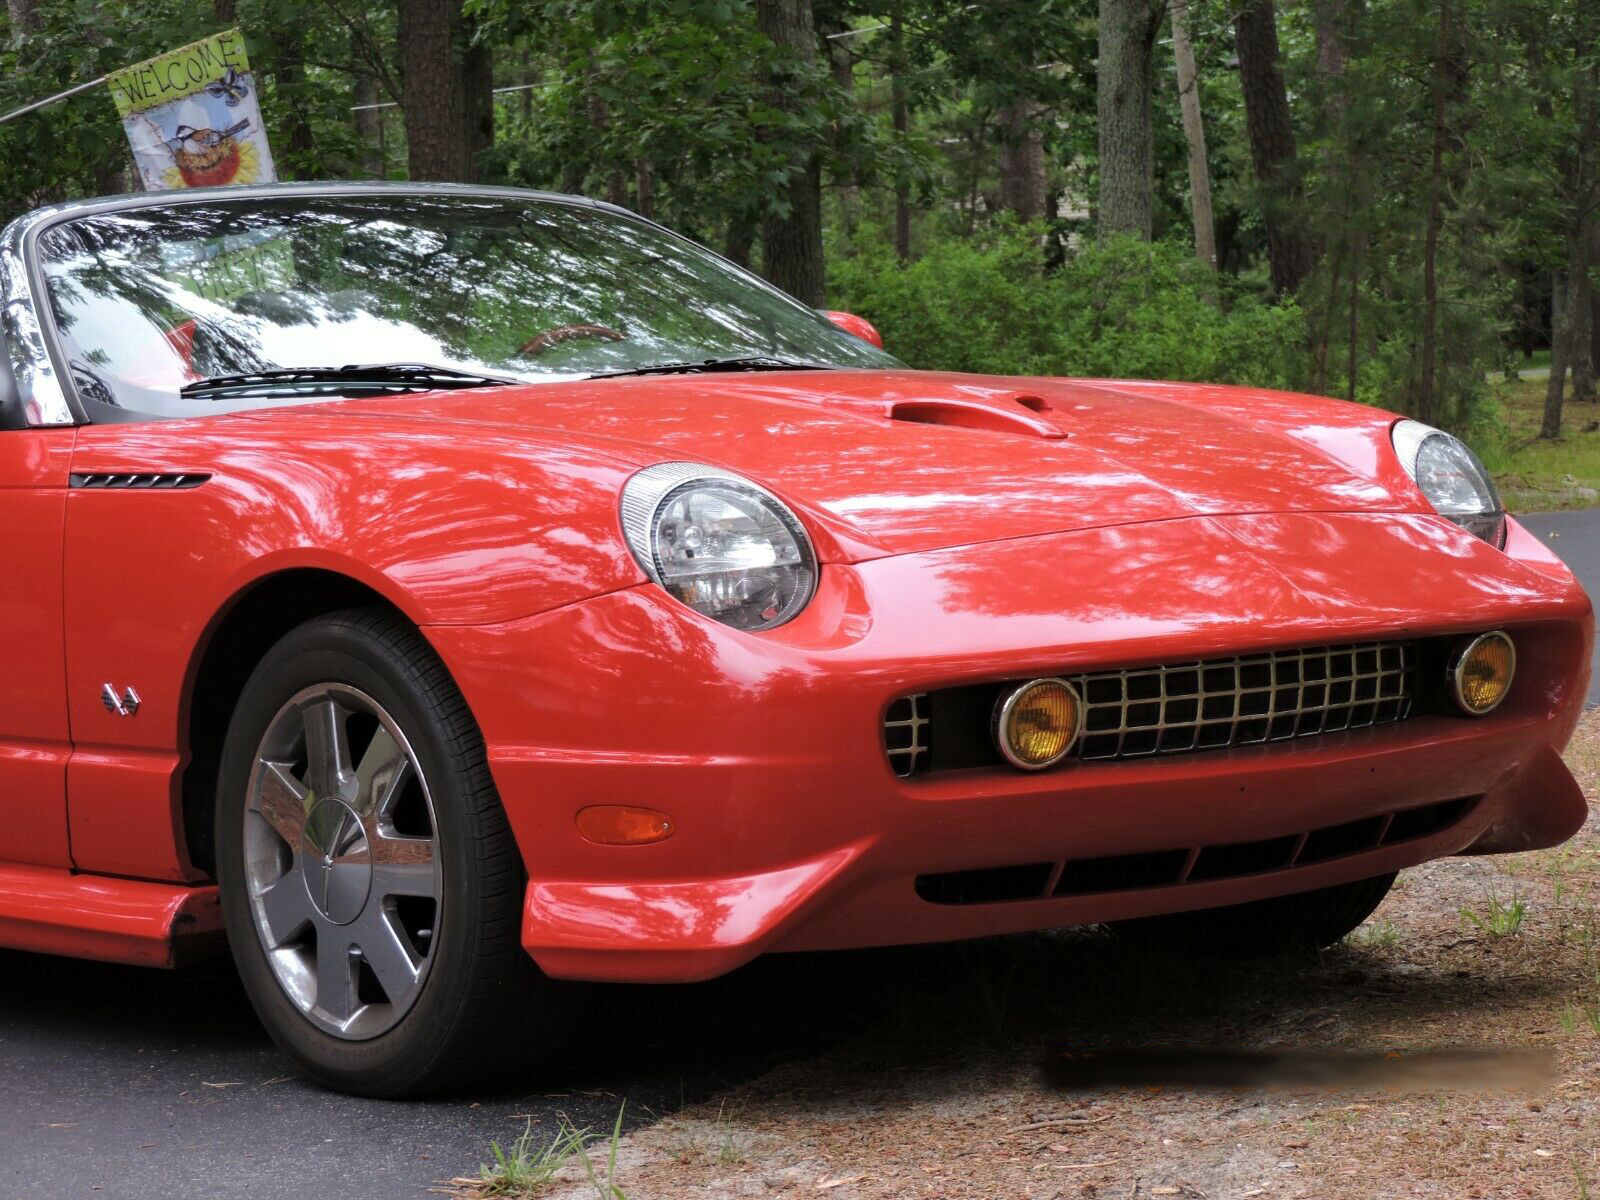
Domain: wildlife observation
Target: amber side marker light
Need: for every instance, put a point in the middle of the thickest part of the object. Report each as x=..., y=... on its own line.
x=621, y=825
x=1036, y=724
x=1481, y=672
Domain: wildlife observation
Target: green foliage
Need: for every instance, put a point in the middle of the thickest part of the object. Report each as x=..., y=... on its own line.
x=1499, y=920
x=1124, y=309
x=526, y=1166
x=684, y=110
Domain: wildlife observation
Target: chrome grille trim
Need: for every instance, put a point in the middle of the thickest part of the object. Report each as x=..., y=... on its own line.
x=905, y=726
x=1213, y=704
x=1246, y=700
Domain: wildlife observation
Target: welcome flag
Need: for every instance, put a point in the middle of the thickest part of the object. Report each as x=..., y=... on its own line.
x=192, y=117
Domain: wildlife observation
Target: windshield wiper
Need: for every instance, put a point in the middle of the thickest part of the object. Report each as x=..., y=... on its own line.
x=382, y=378
x=707, y=366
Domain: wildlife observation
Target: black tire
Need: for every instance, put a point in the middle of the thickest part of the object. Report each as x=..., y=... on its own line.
x=1281, y=925
x=481, y=987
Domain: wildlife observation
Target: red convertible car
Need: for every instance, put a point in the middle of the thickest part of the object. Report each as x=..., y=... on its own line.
x=445, y=594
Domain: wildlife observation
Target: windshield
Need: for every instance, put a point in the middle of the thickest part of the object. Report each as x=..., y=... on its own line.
x=150, y=300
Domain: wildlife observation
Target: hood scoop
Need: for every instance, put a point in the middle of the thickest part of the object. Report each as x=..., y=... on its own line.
x=958, y=405
x=1016, y=413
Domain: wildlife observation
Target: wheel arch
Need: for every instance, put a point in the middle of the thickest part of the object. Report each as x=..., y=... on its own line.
x=249, y=625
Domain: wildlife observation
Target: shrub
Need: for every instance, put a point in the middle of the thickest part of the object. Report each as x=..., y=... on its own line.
x=1124, y=309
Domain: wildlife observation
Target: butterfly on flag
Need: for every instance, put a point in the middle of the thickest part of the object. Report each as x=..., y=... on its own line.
x=231, y=88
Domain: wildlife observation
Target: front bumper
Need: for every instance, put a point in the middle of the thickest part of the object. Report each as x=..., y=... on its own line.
x=793, y=833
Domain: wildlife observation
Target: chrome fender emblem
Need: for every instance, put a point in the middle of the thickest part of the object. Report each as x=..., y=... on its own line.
x=125, y=705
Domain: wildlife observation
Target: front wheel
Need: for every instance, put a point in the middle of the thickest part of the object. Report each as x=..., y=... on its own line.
x=371, y=887
x=1304, y=921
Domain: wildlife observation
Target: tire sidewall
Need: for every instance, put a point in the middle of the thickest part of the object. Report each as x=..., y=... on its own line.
x=322, y=654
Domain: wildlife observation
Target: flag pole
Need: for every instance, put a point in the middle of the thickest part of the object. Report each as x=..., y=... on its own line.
x=70, y=92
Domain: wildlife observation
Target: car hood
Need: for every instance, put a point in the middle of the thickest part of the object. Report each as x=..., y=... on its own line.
x=902, y=461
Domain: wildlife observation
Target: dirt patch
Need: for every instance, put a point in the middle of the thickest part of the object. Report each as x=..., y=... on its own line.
x=1448, y=1049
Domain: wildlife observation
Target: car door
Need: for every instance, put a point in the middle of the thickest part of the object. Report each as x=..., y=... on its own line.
x=35, y=741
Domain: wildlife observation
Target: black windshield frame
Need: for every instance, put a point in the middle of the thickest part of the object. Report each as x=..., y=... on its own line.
x=86, y=411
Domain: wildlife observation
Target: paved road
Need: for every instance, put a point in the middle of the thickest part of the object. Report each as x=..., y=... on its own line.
x=127, y=1084
x=121, y=1084
x=1575, y=536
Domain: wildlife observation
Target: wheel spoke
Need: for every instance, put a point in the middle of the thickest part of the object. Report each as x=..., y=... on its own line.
x=285, y=908
x=336, y=975
x=403, y=866
x=327, y=747
x=342, y=861
x=282, y=802
x=386, y=952
x=380, y=775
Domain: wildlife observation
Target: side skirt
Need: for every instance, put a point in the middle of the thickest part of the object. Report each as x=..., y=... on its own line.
x=51, y=911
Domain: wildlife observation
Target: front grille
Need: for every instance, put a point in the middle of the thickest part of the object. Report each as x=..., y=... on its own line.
x=903, y=726
x=1177, y=708
x=1171, y=868
x=1240, y=701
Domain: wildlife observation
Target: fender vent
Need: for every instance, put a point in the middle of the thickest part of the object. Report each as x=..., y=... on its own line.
x=162, y=482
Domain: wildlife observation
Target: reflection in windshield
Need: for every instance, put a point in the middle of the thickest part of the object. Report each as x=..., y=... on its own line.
x=150, y=299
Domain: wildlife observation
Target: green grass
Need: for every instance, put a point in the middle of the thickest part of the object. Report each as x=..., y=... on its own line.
x=1498, y=920
x=526, y=1168
x=1575, y=1016
x=1536, y=475
x=1380, y=935
x=717, y=1143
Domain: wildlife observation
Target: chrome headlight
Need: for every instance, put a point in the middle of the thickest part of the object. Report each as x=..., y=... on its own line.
x=727, y=548
x=1451, y=477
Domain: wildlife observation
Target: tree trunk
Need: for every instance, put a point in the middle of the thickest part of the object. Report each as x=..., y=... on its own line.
x=525, y=96
x=643, y=190
x=600, y=118
x=24, y=16
x=841, y=64
x=740, y=240
x=900, y=115
x=1022, y=183
x=435, y=104
x=1449, y=87
x=1272, y=142
x=1124, y=80
x=477, y=84
x=1194, y=132
x=1435, y=222
x=291, y=81
x=1333, y=51
x=227, y=11
x=1353, y=334
x=1583, y=344
x=791, y=244
x=1325, y=336
x=1594, y=313
x=1561, y=344
x=369, y=128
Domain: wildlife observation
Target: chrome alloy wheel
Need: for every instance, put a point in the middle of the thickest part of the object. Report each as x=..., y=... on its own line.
x=342, y=861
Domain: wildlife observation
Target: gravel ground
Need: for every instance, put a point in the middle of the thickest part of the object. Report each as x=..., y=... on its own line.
x=1440, y=1052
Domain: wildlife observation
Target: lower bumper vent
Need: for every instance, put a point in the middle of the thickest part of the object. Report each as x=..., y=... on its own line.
x=1169, y=868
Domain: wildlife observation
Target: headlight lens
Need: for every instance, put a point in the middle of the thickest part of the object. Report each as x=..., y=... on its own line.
x=1451, y=477
x=727, y=548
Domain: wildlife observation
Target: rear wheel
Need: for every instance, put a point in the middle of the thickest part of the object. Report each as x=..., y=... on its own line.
x=371, y=887
x=1304, y=921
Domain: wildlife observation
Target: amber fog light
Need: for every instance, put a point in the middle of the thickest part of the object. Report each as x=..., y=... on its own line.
x=1035, y=725
x=623, y=825
x=1481, y=671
